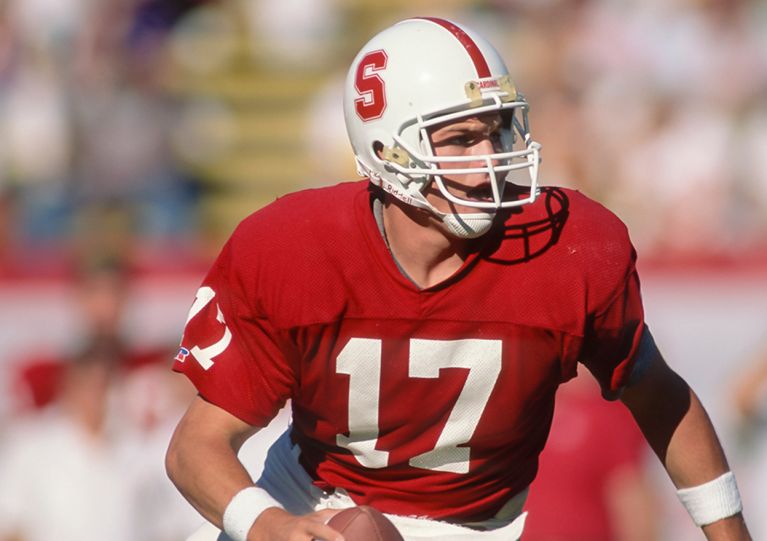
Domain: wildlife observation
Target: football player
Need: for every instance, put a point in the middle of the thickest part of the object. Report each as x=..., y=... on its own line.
x=421, y=320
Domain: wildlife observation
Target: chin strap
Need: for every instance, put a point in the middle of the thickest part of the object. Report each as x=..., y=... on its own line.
x=468, y=226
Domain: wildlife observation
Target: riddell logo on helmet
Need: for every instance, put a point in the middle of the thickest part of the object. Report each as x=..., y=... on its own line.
x=399, y=194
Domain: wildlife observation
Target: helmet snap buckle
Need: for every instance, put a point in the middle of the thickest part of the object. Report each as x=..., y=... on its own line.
x=396, y=155
x=507, y=86
x=474, y=93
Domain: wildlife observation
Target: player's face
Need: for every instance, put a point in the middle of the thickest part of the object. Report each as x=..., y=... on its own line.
x=475, y=136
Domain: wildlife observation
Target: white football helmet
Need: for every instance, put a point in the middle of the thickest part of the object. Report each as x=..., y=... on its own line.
x=421, y=73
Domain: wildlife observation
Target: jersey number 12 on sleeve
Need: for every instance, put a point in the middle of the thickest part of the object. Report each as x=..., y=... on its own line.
x=361, y=360
x=205, y=355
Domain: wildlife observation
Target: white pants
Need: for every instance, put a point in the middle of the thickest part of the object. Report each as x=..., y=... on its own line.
x=287, y=481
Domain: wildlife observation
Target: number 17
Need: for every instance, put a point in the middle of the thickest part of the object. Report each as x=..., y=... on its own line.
x=361, y=360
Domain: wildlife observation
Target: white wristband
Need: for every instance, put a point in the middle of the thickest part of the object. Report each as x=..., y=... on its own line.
x=244, y=509
x=712, y=501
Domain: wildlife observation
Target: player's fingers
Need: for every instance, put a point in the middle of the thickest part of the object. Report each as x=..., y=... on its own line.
x=319, y=531
x=325, y=515
x=277, y=524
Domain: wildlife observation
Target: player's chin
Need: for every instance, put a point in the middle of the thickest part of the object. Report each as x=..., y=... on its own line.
x=483, y=194
x=468, y=203
x=456, y=208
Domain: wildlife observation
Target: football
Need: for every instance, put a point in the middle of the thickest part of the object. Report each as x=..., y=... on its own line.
x=363, y=523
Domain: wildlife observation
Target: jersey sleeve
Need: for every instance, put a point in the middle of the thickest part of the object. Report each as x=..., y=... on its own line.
x=230, y=350
x=612, y=339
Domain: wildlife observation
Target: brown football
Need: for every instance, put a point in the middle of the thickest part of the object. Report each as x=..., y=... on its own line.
x=363, y=523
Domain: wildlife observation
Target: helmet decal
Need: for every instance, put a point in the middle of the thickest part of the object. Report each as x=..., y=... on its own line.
x=483, y=70
x=372, y=101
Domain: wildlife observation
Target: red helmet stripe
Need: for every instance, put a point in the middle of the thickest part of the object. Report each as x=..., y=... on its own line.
x=476, y=55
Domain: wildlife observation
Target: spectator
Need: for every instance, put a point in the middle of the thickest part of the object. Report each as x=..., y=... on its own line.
x=60, y=468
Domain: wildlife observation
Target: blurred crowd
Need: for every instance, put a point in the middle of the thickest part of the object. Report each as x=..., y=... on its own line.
x=657, y=109
x=85, y=427
x=135, y=134
x=170, y=120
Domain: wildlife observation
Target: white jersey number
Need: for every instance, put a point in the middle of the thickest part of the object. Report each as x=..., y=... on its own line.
x=361, y=360
x=205, y=356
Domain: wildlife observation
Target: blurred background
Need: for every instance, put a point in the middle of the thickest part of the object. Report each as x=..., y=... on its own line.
x=136, y=134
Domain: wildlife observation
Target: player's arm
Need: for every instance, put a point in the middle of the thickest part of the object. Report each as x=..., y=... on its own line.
x=680, y=432
x=202, y=462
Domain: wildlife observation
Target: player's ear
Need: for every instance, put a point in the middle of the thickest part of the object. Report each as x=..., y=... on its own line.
x=378, y=147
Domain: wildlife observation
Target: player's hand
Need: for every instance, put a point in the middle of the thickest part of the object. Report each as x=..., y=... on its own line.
x=275, y=524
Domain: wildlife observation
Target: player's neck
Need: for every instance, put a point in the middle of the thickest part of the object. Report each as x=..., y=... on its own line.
x=421, y=245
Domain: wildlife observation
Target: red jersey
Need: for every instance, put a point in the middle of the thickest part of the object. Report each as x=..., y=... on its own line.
x=421, y=402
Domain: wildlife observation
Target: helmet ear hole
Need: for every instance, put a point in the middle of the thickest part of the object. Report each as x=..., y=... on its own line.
x=378, y=147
